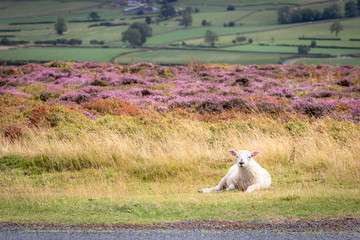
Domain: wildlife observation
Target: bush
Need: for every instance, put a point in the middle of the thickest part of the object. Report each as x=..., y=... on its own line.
x=12, y=131
x=313, y=44
x=314, y=109
x=324, y=39
x=75, y=97
x=111, y=106
x=108, y=24
x=230, y=8
x=238, y=104
x=64, y=41
x=6, y=42
x=209, y=107
x=303, y=49
x=96, y=42
x=241, y=39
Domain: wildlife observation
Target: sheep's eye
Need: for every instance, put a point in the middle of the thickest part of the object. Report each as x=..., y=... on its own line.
x=249, y=157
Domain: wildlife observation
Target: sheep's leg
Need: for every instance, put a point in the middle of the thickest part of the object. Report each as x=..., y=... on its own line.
x=220, y=186
x=230, y=187
x=253, y=188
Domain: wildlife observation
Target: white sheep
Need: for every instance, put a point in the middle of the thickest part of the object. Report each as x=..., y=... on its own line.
x=246, y=175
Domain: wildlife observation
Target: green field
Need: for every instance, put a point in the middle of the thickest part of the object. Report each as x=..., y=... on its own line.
x=186, y=56
x=285, y=49
x=64, y=54
x=333, y=61
x=256, y=20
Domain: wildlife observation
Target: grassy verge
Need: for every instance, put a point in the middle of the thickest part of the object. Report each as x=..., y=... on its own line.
x=271, y=205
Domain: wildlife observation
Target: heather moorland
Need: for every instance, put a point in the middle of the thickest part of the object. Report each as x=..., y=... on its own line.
x=109, y=143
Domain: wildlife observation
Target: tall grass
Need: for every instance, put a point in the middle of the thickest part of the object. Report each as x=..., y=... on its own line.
x=184, y=154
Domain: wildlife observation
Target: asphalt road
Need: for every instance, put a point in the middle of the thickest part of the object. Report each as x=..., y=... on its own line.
x=167, y=235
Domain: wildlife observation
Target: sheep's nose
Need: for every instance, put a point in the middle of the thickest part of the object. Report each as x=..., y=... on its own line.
x=241, y=164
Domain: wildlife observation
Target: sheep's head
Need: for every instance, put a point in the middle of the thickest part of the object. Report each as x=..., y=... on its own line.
x=244, y=157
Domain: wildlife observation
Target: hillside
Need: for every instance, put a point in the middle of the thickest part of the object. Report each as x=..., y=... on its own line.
x=271, y=42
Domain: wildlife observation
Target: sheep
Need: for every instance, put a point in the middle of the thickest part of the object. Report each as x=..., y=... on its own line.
x=246, y=175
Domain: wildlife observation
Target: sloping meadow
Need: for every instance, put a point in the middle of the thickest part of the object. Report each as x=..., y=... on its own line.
x=98, y=130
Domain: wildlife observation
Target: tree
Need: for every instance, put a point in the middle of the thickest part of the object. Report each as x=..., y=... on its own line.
x=303, y=49
x=205, y=23
x=336, y=27
x=307, y=15
x=211, y=37
x=94, y=16
x=313, y=44
x=189, y=10
x=230, y=8
x=148, y=20
x=241, y=39
x=186, y=19
x=136, y=34
x=4, y=41
x=333, y=11
x=284, y=15
x=132, y=36
x=296, y=16
x=60, y=26
x=167, y=11
x=351, y=9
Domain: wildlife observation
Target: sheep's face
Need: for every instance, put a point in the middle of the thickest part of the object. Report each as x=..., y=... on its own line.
x=244, y=157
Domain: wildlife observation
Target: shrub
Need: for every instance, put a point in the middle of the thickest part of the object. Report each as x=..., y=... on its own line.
x=100, y=83
x=281, y=92
x=231, y=24
x=112, y=107
x=12, y=131
x=230, y=8
x=75, y=97
x=96, y=42
x=238, y=104
x=313, y=44
x=38, y=116
x=314, y=109
x=45, y=95
x=242, y=81
x=209, y=106
x=303, y=49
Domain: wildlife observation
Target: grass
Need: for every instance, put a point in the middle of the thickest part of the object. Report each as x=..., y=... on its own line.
x=257, y=48
x=36, y=9
x=291, y=33
x=148, y=169
x=63, y=54
x=268, y=18
x=332, y=61
x=186, y=56
x=285, y=49
x=266, y=206
x=260, y=25
x=183, y=34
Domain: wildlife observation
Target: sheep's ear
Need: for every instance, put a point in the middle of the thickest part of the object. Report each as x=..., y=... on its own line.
x=232, y=152
x=255, y=153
